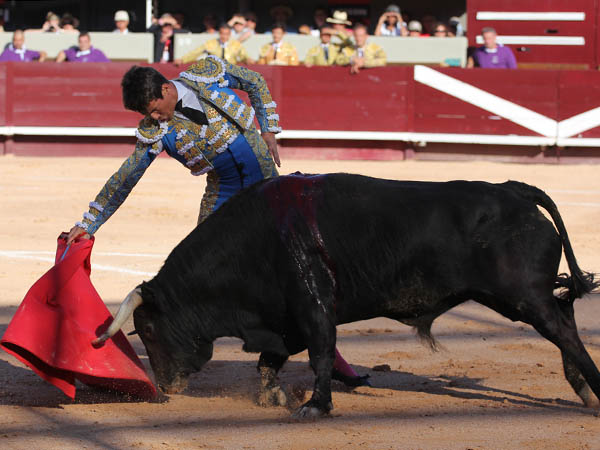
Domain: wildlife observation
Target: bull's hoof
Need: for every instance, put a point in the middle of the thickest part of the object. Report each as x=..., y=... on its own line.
x=309, y=411
x=176, y=387
x=589, y=398
x=274, y=396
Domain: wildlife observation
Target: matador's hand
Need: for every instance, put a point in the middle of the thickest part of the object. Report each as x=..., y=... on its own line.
x=75, y=233
x=271, y=142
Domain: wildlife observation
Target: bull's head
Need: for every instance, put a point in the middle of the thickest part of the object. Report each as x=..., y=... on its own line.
x=173, y=354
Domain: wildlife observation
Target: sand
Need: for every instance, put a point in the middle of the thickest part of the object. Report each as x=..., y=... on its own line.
x=496, y=384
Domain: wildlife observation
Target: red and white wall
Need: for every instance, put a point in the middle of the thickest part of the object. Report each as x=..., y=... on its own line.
x=390, y=112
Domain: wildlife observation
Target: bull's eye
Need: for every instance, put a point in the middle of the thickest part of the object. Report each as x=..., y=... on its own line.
x=149, y=331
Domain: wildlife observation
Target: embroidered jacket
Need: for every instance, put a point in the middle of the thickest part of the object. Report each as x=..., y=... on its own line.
x=194, y=145
x=286, y=55
x=374, y=55
x=235, y=52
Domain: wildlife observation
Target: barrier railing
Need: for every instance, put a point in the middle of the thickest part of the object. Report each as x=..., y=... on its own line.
x=420, y=104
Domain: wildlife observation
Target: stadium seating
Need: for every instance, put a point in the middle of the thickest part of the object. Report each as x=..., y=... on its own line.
x=139, y=46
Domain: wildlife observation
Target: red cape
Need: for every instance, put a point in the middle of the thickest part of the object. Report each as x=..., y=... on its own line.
x=54, y=326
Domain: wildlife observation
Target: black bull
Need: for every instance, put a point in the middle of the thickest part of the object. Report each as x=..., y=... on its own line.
x=285, y=261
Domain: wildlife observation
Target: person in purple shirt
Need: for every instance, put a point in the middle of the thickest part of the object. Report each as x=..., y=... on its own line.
x=492, y=55
x=83, y=53
x=16, y=51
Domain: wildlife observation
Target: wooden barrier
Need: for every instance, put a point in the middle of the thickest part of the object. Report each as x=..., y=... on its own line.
x=418, y=106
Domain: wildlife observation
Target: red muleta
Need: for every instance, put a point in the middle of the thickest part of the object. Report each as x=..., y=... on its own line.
x=53, y=328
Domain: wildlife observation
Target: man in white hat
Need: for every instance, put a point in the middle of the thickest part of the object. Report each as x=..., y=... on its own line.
x=121, y=22
x=339, y=21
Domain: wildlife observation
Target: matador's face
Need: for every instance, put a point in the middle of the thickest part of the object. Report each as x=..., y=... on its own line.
x=162, y=109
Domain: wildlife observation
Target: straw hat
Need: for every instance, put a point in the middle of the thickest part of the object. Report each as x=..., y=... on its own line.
x=339, y=17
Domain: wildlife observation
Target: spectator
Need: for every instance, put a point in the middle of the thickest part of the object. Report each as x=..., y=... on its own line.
x=339, y=22
x=415, y=29
x=428, y=21
x=456, y=26
x=16, y=51
x=361, y=55
x=304, y=29
x=179, y=21
x=281, y=14
x=278, y=52
x=51, y=25
x=391, y=23
x=237, y=25
x=320, y=20
x=250, y=29
x=164, y=31
x=225, y=47
x=492, y=55
x=121, y=22
x=69, y=24
x=326, y=53
x=210, y=24
x=440, y=30
x=82, y=53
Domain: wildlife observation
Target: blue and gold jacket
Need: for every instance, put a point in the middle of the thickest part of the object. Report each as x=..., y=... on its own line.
x=195, y=146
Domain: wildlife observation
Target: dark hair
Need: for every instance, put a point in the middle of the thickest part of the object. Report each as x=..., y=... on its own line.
x=140, y=86
x=277, y=25
x=84, y=33
x=359, y=25
x=224, y=25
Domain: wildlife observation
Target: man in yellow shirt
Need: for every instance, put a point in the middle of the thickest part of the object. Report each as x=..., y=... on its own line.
x=224, y=47
x=362, y=54
x=326, y=53
x=278, y=52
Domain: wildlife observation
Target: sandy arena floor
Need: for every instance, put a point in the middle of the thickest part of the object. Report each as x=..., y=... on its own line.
x=495, y=385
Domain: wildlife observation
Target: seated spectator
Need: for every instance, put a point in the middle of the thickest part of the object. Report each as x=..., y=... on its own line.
x=69, y=24
x=415, y=29
x=339, y=21
x=326, y=53
x=281, y=15
x=224, y=47
x=428, y=21
x=16, y=51
x=278, y=52
x=304, y=29
x=179, y=21
x=237, y=24
x=121, y=22
x=456, y=27
x=440, y=30
x=391, y=23
x=250, y=28
x=51, y=25
x=210, y=24
x=492, y=55
x=362, y=54
x=319, y=21
x=82, y=53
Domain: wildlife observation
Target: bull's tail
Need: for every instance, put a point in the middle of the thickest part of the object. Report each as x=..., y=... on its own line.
x=579, y=282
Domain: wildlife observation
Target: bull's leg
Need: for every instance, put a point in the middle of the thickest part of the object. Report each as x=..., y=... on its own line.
x=271, y=393
x=557, y=324
x=321, y=352
x=578, y=383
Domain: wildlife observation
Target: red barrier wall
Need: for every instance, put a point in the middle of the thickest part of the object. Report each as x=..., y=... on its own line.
x=385, y=99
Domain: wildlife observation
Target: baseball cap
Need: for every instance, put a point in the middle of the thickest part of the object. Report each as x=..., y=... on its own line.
x=121, y=15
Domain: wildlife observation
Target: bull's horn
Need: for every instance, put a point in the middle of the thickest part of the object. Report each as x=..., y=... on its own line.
x=132, y=301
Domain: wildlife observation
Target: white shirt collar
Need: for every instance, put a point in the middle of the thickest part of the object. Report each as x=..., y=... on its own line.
x=187, y=96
